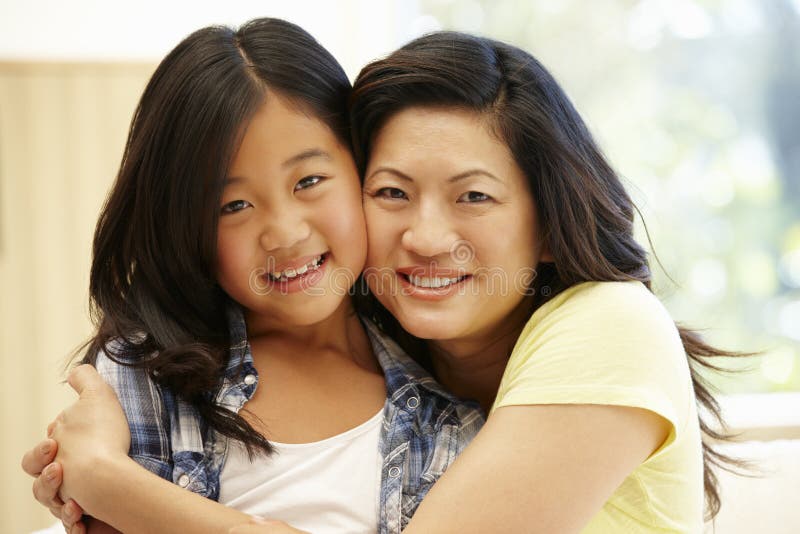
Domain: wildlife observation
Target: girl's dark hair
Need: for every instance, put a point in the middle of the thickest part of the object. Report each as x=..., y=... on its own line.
x=153, y=294
x=585, y=213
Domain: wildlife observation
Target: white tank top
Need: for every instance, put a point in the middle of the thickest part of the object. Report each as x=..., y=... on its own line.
x=326, y=487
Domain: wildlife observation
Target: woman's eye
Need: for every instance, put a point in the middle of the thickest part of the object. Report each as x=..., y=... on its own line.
x=390, y=192
x=234, y=206
x=308, y=181
x=474, y=196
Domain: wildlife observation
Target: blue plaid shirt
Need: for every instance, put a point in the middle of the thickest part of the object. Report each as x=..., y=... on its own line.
x=424, y=427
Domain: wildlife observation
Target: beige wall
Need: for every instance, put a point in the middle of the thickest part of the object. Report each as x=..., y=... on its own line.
x=62, y=131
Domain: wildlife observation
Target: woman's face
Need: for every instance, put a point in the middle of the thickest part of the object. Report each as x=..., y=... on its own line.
x=451, y=225
x=291, y=236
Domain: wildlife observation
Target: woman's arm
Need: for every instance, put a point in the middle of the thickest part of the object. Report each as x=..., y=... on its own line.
x=541, y=468
x=93, y=441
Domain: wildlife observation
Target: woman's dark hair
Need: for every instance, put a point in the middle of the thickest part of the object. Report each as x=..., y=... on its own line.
x=586, y=215
x=153, y=293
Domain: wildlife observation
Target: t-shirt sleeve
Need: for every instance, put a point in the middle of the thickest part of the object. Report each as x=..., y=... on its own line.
x=607, y=343
x=143, y=405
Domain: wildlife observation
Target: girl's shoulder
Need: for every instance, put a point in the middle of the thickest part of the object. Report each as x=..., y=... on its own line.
x=147, y=405
x=134, y=385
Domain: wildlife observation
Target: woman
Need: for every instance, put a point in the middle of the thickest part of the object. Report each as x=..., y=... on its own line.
x=593, y=422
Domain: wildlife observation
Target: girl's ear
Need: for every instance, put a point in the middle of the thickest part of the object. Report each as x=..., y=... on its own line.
x=544, y=254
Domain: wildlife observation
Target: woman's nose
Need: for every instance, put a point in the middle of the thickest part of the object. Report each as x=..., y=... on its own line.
x=431, y=234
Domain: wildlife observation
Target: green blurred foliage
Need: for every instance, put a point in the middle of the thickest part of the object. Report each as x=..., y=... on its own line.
x=697, y=105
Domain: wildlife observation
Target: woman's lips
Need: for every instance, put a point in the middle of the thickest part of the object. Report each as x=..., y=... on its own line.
x=429, y=284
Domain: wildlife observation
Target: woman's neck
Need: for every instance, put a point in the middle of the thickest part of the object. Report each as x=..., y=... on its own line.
x=473, y=368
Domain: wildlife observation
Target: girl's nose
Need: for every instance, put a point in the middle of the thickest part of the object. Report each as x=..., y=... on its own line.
x=284, y=230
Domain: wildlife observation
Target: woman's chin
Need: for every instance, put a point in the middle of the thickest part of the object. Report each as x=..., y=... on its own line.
x=432, y=328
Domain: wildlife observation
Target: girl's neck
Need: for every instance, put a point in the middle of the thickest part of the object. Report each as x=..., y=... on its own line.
x=341, y=332
x=473, y=368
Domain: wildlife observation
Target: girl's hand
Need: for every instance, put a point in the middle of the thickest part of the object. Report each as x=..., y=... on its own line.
x=90, y=432
x=38, y=462
x=264, y=526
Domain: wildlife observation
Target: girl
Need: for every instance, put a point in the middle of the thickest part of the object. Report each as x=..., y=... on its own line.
x=222, y=260
x=478, y=171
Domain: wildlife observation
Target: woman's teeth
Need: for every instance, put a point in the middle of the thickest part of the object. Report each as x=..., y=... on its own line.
x=289, y=274
x=433, y=283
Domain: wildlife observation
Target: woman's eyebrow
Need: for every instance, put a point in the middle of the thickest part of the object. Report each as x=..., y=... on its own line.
x=452, y=179
x=472, y=172
x=390, y=170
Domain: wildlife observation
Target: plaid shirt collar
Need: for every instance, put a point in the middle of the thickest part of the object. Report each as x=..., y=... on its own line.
x=424, y=427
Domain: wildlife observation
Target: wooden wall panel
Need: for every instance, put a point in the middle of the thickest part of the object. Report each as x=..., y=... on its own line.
x=62, y=131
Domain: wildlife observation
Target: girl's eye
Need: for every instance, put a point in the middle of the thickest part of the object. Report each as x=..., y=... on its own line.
x=308, y=181
x=474, y=196
x=391, y=193
x=234, y=206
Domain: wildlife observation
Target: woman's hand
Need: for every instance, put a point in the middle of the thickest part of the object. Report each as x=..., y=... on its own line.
x=264, y=526
x=90, y=432
x=38, y=462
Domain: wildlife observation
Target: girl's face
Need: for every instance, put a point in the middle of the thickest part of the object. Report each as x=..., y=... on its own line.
x=291, y=236
x=452, y=227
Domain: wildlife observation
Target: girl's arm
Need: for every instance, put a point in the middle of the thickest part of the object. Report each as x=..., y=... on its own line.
x=540, y=468
x=93, y=441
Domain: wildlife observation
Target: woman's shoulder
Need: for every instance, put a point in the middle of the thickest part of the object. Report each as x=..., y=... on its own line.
x=604, y=308
x=612, y=295
x=600, y=343
x=609, y=323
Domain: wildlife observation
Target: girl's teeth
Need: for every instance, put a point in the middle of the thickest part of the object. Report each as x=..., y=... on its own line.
x=288, y=274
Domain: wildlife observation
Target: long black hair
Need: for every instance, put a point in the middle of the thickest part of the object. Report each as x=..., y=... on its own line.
x=153, y=294
x=586, y=216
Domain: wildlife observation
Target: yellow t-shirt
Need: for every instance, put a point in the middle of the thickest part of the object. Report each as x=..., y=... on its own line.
x=614, y=343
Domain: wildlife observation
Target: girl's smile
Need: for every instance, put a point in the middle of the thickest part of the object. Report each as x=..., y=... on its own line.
x=291, y=222
x=296, y=275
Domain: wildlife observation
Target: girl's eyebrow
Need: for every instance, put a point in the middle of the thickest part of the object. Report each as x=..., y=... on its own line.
x=304, y=155
x=294, y=160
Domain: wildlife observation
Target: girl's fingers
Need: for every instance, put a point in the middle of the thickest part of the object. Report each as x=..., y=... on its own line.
x=45, y=486
x=72, y=512
x=36, y=459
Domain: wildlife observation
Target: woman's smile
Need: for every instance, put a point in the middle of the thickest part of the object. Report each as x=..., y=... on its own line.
x=450, y=221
